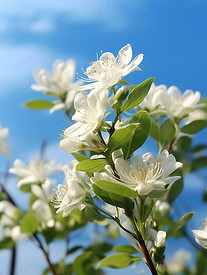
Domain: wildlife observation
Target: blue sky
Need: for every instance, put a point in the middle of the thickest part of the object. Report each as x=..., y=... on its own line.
x=34, y=34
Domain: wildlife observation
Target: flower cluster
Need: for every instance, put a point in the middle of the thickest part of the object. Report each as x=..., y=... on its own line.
x=4, y=147
x=110, y=181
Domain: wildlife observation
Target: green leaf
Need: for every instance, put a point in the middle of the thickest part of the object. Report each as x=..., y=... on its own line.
x=126, y=248
x=194, y=127
x=93, y=215
x=29, y=223
x=92, y=165
x=100, y=248
x=155, y=131
x=158, y=194
x=72, y=250
x=38, y=104
x=176, y=188
x=183, y=143
x=113, y=199
x=199, y=163
x=147, y=210
x=83, y=264
x=6, y=243
x=167, y=132
x=79, y=157
x=201, y=263
x=123, y=82
x=26, y=188
x=120, y=260
x=137, y=95
x=141, y=132
x=121, y=138
x=116, y=189
x=179, y=224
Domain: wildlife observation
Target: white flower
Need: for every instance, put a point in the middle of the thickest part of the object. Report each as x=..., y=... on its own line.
x=178, y=261
x=68, y=103
x=152, y=100
x=35, y=172
x=90, y=110
x=177, y=104
x=144, y=174
x=160, y=239
x=71, y=195
x=162, y=207
x=4, y=147
x=58, y=83
x=201, y=235
x=44, y=192
x=43, y=213
x=9, y=220
x=196, y=115
x=109, y=70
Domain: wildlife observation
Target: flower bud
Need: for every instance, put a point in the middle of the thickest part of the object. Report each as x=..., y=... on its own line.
x=116, y=105
x=160, y=239
x=121, y=94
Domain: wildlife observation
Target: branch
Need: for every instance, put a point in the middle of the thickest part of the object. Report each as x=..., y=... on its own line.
x=51, y=267
x=144, y=248
x=13, y=261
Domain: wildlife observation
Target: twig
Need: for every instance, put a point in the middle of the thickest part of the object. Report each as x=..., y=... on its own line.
x=13, y=261
x=144, y=248
x=45, y=254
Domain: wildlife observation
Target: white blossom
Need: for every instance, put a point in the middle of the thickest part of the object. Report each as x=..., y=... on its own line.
x=89, y=114
x=4, y=147
x=201, y=235
x=43, y=213
x=109, y=70
x=152, y=100
x=160, y=239
x=177, y=262
x=144, y=174
x=10, y=222
x=57, y=83
x=34, y=172
x=72, y=193
x=177, y=104
x=162, y=207
x=196, y=115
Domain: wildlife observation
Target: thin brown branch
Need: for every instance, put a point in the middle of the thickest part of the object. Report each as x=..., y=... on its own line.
x=51, y=267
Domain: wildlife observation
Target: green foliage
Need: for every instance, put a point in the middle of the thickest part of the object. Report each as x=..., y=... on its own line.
x=120, y=260
x=92, y=215
x=29, y=223
x=80, y=157
x=155, y=131
x=167, y=132
x=199, y=163
x=114, y=199
x=121, y=138
x=137, y=95
x=179, y=224
x=84, y=264
x=92, y=165
x=38, y=104
x=126, y=248
x=116, y=189
x=201, y=263
x=6, y=243
x=194, y=127
x=176, y=188
x=141, y=132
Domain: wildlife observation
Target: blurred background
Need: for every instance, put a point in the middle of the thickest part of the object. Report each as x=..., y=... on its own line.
x=170, y=34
